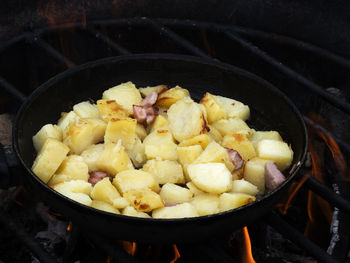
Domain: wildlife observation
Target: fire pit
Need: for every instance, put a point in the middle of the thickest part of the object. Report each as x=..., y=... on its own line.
x=282, y=234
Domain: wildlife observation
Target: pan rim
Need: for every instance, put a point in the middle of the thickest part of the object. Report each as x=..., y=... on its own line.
x=155, y=56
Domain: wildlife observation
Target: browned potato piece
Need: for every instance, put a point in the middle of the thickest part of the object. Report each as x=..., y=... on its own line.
x=125, y=94
x=171, y=96
x=121, y=129
x=214, y=109
x=241, y=144
x=203, y=140
x=110, y=109
x=144, y=200
x=83, y=133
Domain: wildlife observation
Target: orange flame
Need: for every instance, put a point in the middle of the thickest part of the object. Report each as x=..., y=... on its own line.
x=177, y=254
x=129, y=247
x=109, y=259
x=69, y=227
x=247, y=256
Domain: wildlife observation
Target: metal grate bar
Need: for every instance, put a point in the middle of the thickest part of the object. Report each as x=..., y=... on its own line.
x=108, y=41
x=289, y=72
x=53, y=52
x=336, y=200
x=284, y=40
x=343, y=145
x=12, y=90
x=296, y=237
x=178, y=39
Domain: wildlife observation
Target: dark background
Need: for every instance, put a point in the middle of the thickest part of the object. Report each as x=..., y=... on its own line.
x=321, y=22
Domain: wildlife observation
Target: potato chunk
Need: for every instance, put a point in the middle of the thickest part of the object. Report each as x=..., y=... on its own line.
x=203, y=140
x=211, y=177
x=73, y=167
x=50, y=157
x=241, y=144
x=171, y=96
x=144, y=200
x=215, y=111
x=148, y=90
x=276, y=151
x=77, y=190
x=230, y=201
x=188, y=154
x=187, y=119
x=114, y=159
x=65, y=121
x=121, y=129
x=110, y=109
x=245, y=187
x=232, y=126
x=258, y=136
x=83, y=133
x=234, y=108
x=47, y=131
x=140, y=131
x=91, y=155
x=104, y=191
x=179, y=211
x=174, y=194
x=86, y=109
x=159, y=122
x=104, y=206
x=165, y=171
x=254, y=172
x=134, y=179
x=160, y=143
x=137, y=153
x=206, y=204
x=194, y=189
x=130, y=211
x=215, y=153
x=125, y=94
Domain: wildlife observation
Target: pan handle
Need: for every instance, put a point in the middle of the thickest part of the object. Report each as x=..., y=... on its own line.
x=9, y=166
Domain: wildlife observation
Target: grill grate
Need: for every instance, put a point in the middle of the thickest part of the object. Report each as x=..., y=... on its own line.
x=177, y=34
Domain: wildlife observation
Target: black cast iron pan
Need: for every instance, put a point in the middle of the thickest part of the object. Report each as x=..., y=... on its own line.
x=270, y=110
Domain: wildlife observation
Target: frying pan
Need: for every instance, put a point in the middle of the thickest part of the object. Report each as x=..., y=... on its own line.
x=270, y=110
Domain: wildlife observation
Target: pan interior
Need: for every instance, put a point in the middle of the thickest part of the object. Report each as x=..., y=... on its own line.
x=269, y=109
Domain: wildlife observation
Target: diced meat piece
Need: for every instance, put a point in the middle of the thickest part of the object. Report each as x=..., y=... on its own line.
x=273, y=176
x=150, y=100
x=235, y=157
x=95, y=177
x=139, y=113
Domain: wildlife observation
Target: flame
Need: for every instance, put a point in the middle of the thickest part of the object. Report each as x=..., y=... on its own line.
x=69, y=227
x=283, y=207
x=247, y=256
x=109, y=259
x=177, y=254
x=129, y=247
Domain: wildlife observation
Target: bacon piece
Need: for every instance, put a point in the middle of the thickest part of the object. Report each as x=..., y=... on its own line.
x=150, y=100
x=273, y=176
x=95, y=177
x=139, y=113
x=235, y=157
